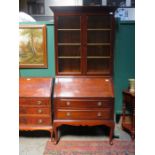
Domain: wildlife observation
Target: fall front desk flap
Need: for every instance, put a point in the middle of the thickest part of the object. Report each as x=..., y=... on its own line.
x=35, y=87
x=83, y=87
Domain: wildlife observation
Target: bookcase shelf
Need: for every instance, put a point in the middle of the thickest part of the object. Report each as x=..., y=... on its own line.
x=98, y=57
x=69, y=44
x=69, y=29
x=84, y=42
x=69, y=57
x=99, y=29
x=94, y=44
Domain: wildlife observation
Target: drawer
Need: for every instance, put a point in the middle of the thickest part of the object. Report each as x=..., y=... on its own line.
x=38, y=120
x=84, y=114
x=83, y=104
x=34, y=110
x=34, y=101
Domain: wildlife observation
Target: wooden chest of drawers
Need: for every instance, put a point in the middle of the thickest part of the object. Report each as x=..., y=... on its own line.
x=35, y=104
x=83, y=101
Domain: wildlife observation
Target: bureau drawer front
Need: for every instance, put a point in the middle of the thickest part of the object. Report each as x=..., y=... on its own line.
x=34, y=110
x=83, y=104
x=84, y=114
x=34, y=120
x=34, y=101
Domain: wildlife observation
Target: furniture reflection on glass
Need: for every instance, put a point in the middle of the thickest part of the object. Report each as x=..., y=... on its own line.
x=128, y=120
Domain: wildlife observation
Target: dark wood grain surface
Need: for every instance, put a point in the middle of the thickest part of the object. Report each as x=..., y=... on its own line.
x=83, y=87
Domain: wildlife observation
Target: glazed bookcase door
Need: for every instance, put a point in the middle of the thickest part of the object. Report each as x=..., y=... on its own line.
x=68, y=44
x=99, y=42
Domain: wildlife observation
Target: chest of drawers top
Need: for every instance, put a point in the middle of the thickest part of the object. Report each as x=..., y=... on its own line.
x=83, y=87
x=35, y=87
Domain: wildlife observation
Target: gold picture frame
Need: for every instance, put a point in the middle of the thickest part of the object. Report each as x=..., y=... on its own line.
x=32, y=46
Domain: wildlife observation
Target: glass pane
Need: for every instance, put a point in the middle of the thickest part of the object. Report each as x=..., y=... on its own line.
x=98, y=66
x=69, y=22
x=68, y=36
x=69, y=50
x=99, y=22
x=98, y=50
x=69, y=65
x=98, y=37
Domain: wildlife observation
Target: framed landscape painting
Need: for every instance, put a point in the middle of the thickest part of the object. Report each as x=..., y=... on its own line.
x=32, y=46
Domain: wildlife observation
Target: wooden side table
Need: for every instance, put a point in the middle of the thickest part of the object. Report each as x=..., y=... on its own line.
x=128, y=120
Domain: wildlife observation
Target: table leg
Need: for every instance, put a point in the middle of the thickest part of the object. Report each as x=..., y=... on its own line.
x=55, y=135
x=111, y=134
x=52, y=140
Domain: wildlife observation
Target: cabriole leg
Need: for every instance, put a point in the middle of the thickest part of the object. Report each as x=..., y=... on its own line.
x=55, y=135
x=111, y=135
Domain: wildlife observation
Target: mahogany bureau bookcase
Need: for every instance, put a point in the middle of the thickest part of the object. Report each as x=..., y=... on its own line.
x=83, y=90
x=35, y=103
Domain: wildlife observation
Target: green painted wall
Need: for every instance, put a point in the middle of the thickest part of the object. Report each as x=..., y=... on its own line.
x=50, y=71
x=124, y=60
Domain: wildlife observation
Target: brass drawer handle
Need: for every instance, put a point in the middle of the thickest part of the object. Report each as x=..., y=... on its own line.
x=39, y=102
x=40, y=111
x=68, y=113
x=40, y=121
x=99, y=114
x=68, y=103
x=99, y=103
